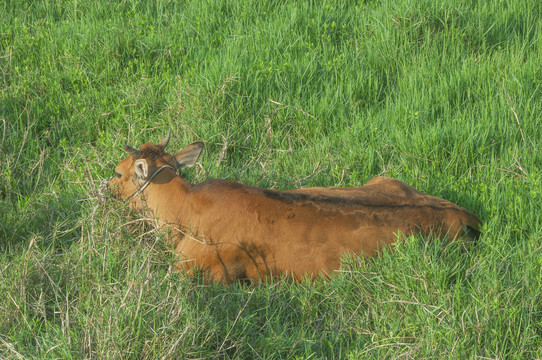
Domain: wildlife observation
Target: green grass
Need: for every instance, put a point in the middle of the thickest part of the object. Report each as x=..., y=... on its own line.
x=444, y=95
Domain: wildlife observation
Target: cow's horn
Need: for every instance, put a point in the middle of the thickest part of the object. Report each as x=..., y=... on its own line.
x=134, y=153
x=163, y=144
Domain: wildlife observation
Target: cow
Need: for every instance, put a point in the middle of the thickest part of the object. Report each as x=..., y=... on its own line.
x=233, y=232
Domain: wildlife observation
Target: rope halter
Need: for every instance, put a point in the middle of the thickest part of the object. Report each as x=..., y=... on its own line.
x=144, y=186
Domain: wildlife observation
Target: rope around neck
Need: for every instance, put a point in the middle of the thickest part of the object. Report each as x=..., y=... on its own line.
x=148, y=182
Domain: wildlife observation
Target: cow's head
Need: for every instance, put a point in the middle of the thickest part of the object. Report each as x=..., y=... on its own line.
x=137, y=170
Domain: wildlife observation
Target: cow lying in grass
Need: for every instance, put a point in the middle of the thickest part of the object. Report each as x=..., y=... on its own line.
x=233, y=231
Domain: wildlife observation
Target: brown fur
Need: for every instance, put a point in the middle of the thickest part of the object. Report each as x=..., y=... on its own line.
x=234, y=231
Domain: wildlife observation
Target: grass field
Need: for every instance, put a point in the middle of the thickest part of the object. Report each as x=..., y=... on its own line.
x=444, y=95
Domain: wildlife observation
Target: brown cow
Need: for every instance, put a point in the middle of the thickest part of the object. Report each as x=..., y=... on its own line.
x=233, y=231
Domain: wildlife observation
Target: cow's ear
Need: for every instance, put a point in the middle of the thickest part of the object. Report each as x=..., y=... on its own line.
x=141, y=168
x=189, y=155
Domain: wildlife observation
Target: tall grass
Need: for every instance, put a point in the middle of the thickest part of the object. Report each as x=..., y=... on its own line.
x=444, y=95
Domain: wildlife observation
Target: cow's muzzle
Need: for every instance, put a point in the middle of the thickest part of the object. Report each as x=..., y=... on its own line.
x=103, y=189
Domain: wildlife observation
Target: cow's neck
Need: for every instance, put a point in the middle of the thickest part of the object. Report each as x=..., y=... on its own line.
x=166, y=196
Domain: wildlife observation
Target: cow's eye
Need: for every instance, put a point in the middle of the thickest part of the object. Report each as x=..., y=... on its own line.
x=118, y=175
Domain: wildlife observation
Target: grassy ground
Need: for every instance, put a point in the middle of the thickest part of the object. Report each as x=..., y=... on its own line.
x=444, y=95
